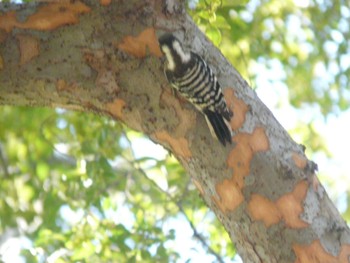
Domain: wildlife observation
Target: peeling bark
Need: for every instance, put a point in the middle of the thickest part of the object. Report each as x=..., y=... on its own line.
x=104, y=57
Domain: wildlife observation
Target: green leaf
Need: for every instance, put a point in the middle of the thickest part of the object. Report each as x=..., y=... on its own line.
x=145, y=255
x=205, y=14
x=233, y=3
x=84, y=251
x=214, y=35
x=42, y=170
x=221, y=22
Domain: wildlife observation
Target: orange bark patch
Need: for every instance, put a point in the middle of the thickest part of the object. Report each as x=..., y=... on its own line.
x=288, y=207
x=3, y=36
x=238, y=107
x=230, y=191
x=137, y=46
x=230, y=195
x=116, y=108
x=28, y=47
x=315, y=253
x=299, y=160
x=105, y=2
x=8, y=21
x=291, y=206
x=240, y=157
x=62, y=85
x=261, y=208
x=178, y=145
x=48, y=17
x=344, y=254
x=187, y=118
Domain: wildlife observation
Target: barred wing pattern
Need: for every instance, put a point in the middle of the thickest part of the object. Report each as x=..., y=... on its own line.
x=199, y=85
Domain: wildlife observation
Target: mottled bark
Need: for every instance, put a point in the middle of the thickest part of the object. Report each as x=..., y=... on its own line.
x=104, y=57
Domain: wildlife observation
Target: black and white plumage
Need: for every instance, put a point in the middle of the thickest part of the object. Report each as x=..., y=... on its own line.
x=189, y=74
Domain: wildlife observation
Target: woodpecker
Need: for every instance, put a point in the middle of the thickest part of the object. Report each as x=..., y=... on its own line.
x=190, y=75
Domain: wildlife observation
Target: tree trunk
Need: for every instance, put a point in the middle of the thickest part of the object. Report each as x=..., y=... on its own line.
x=104, y=57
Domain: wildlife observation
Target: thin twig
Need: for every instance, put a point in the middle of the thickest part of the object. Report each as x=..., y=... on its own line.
x=199, y=237
x=196, y=234
x=64, y=157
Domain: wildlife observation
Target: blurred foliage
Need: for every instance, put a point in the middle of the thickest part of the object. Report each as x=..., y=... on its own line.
x=309, y=39
x=303, y=44
x=74, y=187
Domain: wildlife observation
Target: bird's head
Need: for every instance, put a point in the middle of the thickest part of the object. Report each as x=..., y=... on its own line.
x=175, y=54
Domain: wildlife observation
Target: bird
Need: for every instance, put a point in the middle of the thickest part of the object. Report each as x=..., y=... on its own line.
x=191, y=76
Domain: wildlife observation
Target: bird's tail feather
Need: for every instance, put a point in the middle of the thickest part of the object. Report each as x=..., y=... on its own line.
x=218, y=127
